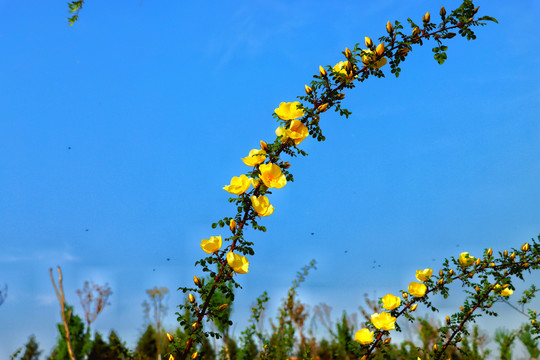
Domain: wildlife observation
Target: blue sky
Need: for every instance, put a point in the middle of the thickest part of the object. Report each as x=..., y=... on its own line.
x=158, y=102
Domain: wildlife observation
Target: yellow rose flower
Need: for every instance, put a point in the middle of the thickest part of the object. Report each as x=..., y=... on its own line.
x=504, y=292
x=296, y=131
x=383, y=321
x=390, y=302
x=211, y=245
x=289, y=110
x=423, y=275
x=364, y=336
x=239, y=185
x=465, y=259
x=340, y=68
x=238, y=263
x=255, y=157
x=261, y=205
x=272, y=176
x=368, y=58
x=417, y=289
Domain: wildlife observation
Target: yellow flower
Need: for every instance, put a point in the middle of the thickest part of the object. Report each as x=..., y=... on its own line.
x=211, y=245
x=341, y=69
x=417, y=289
x=239, y=185
x=423, y=275
x=261, y=205
x=238, y=263
x=504, y=292
x=383, y=321
x=289, y=110
x=368, y=58
x=390, y=302
x=272, y=176
x=296, y=131
x=364, y=336
x=255, y=157
x=465, y=259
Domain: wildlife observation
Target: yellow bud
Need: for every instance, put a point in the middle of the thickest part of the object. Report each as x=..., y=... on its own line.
x=443, y=12
x=170, y=337
x=492, y=264
x=322, y=71
x=441, y=273
x=526, y=265
x=532, y=322
x=223, y=306
x=322, y=108
x=416, y=31
x=197, y=281
x=477, y=289
x=348, y=66
x=525, y=247
x=475, y=10
x=191, y=298
x=171, y=357
x=426, y=17
x=264, y=146
x=347, y=53
x=340, y=96
x=488, y=306
x=448, y=319
x=389, y=27
x=440, y=282
x=505, y=253
x=232, y=225
x=380, y=49
x=512, y=256
x=461, y=308
x=414, y=307
x=434, y=347
x=489, y=252
x=451, y=272
x=404, y=295
x=286, y=165
x=364, y=357
x=308, y=89
x=369, y=42
x=194, y=325
x=478, y=262
x=387, y=341
x=194, y=355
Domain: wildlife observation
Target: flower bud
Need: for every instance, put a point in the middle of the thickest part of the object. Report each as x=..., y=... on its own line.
x=286, y=165
x=171, y=357
x=264, y=146
x=191, y=298
x=389, y=28
x=488, y=306
x=448, y=319
x=475, y=10
x=505, y=253
x=348, y=66
x=322, y=108
x=489, y=252
x=426, y=17
x=512, y=256
x=492, y=264
x=525, y=265
x=194, y=325
x=194, y=355
x=525, y=247
x=532, y=322
x=477, y=289
x=369, y=42
x=441, y=273
x=308, y=89
x=478, y=262
x=340, y=96
x=451, y=272
x=443, y=12
x=347, y=53
x=387, y=341
x=322, y=71
x=380, y=49
x=364, y=357
x=434, y=347
x=197, y=281
x=413, y=307
x=232, y=225
x=461, y=308
x=223, y=306
x=440, y=282
x=170, y=337
x=404, y=295
x=416, y=31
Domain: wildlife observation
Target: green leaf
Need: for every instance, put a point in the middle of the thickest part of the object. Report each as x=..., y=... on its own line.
x=489, y=18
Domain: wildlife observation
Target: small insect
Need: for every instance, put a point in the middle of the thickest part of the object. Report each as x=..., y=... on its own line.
x=168, y=259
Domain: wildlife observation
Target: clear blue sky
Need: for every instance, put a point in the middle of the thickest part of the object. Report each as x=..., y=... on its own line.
x=160, y=100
